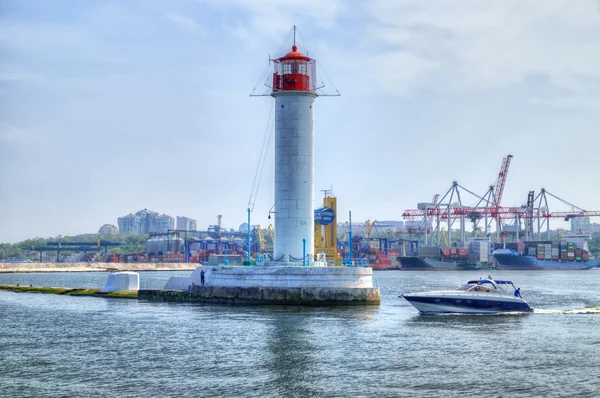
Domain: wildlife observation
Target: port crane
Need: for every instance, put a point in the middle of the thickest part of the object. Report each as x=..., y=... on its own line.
x=489, y=208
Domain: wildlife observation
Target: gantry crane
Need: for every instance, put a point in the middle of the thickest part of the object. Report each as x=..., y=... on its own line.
x=489, y=207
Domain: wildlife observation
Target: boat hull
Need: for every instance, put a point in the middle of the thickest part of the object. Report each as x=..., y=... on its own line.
x=428, y=303
x=429, y=264
x=517, y=262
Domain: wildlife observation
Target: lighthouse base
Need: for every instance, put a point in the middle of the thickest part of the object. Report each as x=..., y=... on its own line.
x=271, y=285
x=315, y=296
x=264, y=276
x=288, y=261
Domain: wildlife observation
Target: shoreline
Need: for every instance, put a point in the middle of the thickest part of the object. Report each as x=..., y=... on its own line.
x=25, y=268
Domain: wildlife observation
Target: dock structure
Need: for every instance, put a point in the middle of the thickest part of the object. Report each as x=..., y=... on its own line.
x=315, y=296
x=271, y=285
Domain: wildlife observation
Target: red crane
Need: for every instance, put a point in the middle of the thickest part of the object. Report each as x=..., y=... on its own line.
x=501, y=181
x=438, y=211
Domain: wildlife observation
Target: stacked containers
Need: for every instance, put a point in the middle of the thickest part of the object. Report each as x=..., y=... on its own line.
x=563, y=251
x=548, y=251
x=540, y=251
x=578, y=254
x=379, y=260
x=555, y=252
x=570, y=251
x=429, y=251
x=585, y=256
x=454, y=253
x=531, y=249
x=479, y=251
x=518, y=247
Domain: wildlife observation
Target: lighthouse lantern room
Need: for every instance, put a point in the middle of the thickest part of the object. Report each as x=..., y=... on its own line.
x=294, y=72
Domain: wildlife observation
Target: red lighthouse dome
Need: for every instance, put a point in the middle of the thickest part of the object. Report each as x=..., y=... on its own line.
x=294, y=72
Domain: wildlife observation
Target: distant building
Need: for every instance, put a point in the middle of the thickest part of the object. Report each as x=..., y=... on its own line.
x=108, y=229
x=129, y=224
x=581, y=224
x=145, y=222
x=186, y=223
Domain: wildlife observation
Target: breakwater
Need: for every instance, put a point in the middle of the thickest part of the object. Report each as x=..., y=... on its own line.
x=69, y=291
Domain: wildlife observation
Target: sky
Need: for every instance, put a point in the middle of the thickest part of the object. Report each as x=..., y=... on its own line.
x=109, y=107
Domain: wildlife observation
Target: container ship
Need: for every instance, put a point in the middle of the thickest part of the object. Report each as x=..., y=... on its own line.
x=476, y=256
x=545, y=255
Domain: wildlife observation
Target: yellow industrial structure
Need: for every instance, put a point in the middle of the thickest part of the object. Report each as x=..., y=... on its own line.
x=326, y=230
x=262, y=242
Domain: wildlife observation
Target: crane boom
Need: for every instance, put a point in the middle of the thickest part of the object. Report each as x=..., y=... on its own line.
x=571, y=214
x=501, y=181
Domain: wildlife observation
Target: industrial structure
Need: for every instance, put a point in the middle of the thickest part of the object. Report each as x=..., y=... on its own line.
x=527, y=222
x=326, y=238
x=186, y=223
x=75, y=247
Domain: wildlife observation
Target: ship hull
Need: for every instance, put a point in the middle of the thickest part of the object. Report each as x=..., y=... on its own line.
x=452, y=303
x=429, y=264
x=516, y=262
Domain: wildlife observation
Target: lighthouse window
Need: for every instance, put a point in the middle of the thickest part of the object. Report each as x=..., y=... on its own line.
x=294, y=67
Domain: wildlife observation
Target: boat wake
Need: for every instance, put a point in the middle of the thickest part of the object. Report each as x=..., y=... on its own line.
x=587, y=310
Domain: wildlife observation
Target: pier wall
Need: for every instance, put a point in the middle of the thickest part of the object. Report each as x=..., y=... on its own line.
x=258, y=295
x=277, y=277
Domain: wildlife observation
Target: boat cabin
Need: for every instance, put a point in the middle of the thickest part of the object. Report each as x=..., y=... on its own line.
x=486, y=286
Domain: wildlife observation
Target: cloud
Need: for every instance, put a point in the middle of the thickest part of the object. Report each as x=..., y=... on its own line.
x=186, y=23
x=274, y=18
x=399, y=71
x=492, y=44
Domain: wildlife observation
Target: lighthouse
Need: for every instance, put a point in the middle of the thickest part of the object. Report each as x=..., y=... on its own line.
x=294, y=90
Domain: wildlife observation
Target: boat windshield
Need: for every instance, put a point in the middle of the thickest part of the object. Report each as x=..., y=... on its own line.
x=484, y=286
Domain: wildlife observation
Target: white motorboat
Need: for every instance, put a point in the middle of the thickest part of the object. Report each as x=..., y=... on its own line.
x=480, y=296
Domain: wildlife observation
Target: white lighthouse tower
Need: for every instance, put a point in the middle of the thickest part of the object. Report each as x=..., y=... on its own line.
x=294, y=90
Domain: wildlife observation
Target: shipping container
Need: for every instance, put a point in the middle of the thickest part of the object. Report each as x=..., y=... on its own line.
x=586, y=256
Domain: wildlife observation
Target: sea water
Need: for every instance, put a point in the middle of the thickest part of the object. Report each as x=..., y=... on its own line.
x=59, y=346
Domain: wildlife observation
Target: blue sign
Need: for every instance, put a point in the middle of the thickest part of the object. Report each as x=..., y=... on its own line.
x=324, y=216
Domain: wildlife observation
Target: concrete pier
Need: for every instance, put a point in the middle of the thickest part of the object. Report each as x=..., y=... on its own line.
x=262, y=295
x=271, y=285
x=244, y=276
